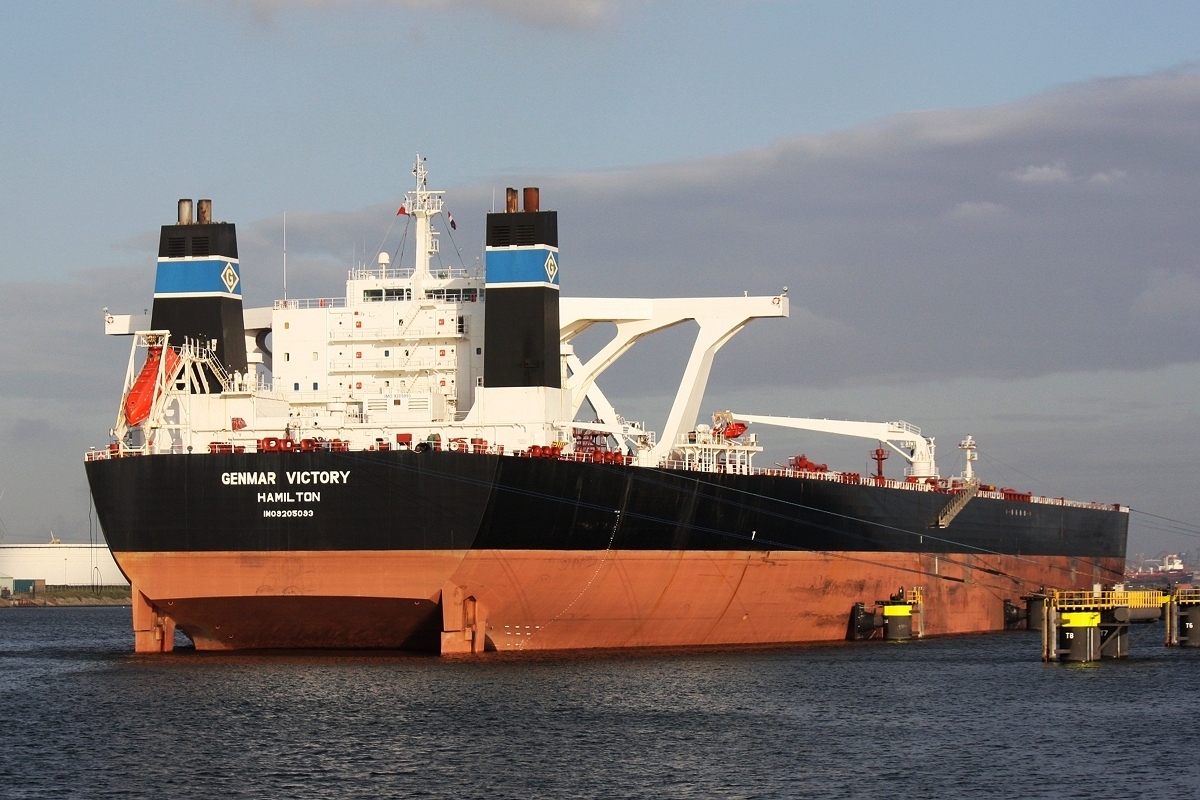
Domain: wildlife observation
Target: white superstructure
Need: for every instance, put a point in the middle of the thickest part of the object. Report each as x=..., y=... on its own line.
x=398, y=362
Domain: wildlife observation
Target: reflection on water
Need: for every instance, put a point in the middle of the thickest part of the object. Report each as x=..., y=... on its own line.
x=966, y=717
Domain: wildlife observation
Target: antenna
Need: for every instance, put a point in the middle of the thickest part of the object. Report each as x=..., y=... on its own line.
x=880, y=455
x=967, y=445
x=285, y=255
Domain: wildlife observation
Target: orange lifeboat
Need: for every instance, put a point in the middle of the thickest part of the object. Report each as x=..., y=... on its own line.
x=140, y=399
x=733, y=430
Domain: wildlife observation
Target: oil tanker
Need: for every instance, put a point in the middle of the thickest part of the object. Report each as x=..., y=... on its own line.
x=426, y=463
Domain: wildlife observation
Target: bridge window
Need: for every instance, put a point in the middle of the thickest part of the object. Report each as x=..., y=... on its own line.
x=372, y=295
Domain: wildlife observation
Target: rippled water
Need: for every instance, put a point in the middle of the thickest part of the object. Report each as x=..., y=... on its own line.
x=967, y=717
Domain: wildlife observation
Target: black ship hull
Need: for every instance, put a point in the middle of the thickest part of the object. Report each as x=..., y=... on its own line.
x=402, y=500
x=434, y=549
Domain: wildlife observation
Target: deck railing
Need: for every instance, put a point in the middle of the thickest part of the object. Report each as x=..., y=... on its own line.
x=312, y=302
x=1089, y=601
x=461, y=444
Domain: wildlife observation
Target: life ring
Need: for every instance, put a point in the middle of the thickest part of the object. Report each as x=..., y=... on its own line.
x=775, y=301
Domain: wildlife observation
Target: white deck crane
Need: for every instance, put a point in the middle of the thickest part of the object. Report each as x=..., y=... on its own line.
x=902, y=437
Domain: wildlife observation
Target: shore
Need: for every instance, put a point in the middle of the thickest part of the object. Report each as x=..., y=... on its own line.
x=82, y=596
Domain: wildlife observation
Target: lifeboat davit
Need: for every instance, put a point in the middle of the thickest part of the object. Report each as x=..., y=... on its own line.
x=140, y=399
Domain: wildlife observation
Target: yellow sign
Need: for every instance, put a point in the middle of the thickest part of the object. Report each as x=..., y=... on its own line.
x=897, y=611
x=1080, y=619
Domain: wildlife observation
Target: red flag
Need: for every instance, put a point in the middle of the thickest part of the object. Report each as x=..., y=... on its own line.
x=450, y=217
x=401, y=211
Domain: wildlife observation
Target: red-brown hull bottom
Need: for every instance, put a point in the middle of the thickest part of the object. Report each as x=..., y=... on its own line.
x=463, y=601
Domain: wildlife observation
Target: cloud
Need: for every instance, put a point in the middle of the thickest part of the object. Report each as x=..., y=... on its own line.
x=1106, y=177
x=52, y=343
x=1047, y=173
x=578, y=14
x=913, y=240
x=977, y=210
x=868, y=227
x=1170, y=297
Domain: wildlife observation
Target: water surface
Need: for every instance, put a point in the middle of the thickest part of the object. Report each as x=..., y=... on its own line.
x=966, y=717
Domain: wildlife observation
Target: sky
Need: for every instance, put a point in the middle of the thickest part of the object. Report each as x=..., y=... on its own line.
x=986, y=216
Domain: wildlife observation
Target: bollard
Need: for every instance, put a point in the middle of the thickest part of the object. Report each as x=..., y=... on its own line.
x=1172, y=619
x=1114, y=632
x=897, y=621
x=1081, y=626
x=1049, y=633
x=1079, y=636
x=894, y=615
x=1188, y=627
x=1035, y=611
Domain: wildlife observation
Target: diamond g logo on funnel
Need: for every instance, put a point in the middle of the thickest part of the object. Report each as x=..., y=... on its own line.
x=229, y=277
